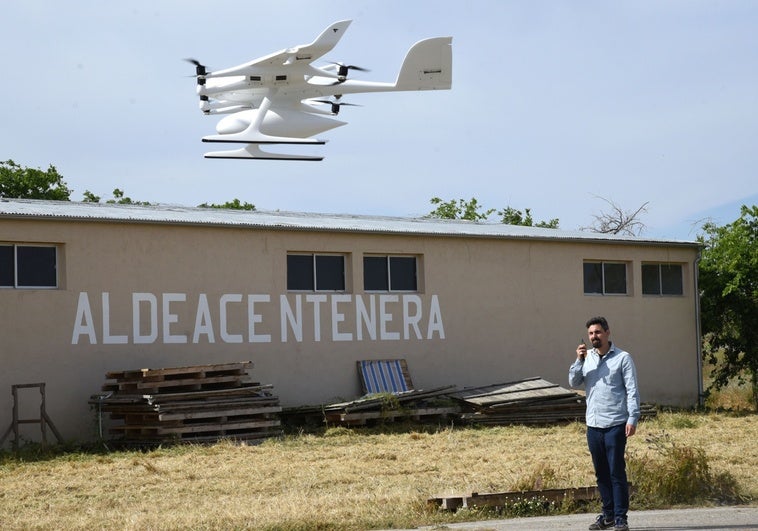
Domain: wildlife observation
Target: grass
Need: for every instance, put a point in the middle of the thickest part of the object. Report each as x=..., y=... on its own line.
x=354, y=479
x=736, y=396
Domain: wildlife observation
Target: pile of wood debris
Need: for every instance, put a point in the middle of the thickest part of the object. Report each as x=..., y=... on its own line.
x=528, y=401
x=203, y=403
x=416, y=405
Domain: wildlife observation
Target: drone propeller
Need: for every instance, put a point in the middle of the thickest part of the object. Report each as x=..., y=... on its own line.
x=200, y=70
x=336, y=104
x=342, y=71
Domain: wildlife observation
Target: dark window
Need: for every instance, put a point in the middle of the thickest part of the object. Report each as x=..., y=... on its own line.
x=662, y=279
x=651, y=279
x=7, y=266
x=402, y=273
x=614, y=278
x=309, y=272
x=330, y=273
x=389, y=273
x=376, y=273
x=300, y=272
x=28, y=266
x=606, y=278
x=593, y=277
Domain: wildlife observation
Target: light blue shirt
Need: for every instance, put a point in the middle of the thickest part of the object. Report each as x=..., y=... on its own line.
x=610, y=382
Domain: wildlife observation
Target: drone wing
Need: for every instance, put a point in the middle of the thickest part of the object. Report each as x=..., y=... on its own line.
x=303, y=54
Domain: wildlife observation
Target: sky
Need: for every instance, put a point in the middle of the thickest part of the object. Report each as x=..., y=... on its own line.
x=555, y=106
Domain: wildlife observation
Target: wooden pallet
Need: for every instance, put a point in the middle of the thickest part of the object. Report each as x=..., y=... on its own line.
x=197, y=403
x=173, y=379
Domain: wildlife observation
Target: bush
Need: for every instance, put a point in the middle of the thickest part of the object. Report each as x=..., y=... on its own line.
x=677, y=475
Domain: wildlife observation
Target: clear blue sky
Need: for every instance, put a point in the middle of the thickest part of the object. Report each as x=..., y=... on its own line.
x=554, y=104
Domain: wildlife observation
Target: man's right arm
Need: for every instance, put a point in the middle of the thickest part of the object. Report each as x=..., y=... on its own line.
x=576, y=376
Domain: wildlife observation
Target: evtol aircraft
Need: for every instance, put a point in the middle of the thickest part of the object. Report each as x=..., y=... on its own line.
x=283, y=98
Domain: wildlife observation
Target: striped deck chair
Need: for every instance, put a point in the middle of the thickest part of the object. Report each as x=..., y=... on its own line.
x=384, y=376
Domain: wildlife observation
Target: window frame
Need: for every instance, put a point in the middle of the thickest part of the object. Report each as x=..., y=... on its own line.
x=314, y=270
x=660, y=277
x=17, y=267
x=603, y=284
x=388, y=260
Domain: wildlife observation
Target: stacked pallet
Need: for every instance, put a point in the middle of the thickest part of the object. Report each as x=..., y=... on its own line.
x=418, y=404
x=188, y=404
x=528, y=401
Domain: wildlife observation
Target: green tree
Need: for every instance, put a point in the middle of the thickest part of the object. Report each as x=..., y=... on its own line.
x=29, y=183
x=471, y=210
x=89, y=197
x=511, y=216
x=460, y=209
x=728, y=280
x=235, y=204
x=119, y=198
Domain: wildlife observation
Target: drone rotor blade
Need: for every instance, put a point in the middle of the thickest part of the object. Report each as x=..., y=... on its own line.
x=200, y=68
x=336, y=104
x=343, y=70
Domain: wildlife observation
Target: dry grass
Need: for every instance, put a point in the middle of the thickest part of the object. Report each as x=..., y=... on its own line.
x=339, y=479
x=736, y=396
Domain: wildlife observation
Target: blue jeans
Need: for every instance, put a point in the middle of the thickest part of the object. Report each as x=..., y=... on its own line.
x=607, y=447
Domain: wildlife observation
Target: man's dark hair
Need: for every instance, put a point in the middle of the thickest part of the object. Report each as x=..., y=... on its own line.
x=598, y=321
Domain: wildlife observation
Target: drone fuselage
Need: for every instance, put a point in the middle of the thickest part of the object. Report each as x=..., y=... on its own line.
x=280, y=98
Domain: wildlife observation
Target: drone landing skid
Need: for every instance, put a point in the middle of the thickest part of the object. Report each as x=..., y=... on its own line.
x=260, y=138
x=253, y=151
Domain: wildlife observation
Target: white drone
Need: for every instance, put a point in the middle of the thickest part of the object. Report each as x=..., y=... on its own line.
x=279, y=98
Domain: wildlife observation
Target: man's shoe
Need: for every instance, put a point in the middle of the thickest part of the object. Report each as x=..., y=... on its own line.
x=620, y=525
x=602, y=522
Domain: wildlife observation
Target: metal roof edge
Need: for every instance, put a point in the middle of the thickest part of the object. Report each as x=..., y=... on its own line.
x=303, y=221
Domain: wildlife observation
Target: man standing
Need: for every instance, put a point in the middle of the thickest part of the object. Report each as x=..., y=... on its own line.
x=613, y=409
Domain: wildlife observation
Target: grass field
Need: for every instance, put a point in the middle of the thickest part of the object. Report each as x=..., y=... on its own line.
x=339, y=478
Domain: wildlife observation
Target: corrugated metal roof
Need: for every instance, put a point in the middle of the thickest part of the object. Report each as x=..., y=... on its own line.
x=170, y=214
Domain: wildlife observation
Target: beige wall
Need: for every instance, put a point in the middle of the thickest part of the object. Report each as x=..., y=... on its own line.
x=509, y=309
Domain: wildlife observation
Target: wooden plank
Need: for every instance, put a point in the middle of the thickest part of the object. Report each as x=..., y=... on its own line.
x=493, y=400
x=472, y=392
x=452, y=503
x=373, y=401
x=529, y=400
x=143, y=373
x=224, y=426
x=370, y=415
x=203, y=381
x=199, y=405
x=243, y=390
x=159, y=429
x=213, y=413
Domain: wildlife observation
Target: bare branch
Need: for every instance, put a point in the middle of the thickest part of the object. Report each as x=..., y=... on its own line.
x=618, y=221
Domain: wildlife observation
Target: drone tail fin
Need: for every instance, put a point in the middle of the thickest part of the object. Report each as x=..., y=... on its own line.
x=427, y=66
